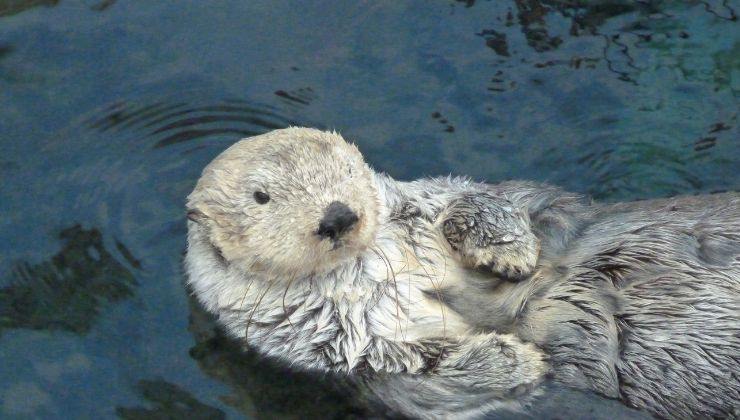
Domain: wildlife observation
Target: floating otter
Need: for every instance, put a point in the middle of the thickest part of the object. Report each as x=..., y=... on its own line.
x=309, y=256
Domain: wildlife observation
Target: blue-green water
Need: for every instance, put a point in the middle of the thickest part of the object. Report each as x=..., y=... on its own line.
x=110, y=109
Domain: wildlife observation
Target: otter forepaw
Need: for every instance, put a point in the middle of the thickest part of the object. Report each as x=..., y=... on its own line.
x=513, y=261
x=491, y=233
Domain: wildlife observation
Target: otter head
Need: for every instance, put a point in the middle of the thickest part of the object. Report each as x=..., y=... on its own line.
x=288, y=203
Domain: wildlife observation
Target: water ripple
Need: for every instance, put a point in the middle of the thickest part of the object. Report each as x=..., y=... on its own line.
x=169, y=123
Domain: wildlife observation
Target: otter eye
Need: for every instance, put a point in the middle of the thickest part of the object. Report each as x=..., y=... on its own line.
x=261, y=197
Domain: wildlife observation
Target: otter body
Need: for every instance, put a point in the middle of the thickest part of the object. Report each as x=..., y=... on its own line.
x=638, y=301
x=307, y=255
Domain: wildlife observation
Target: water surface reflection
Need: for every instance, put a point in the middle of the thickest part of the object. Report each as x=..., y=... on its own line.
x=69, y=291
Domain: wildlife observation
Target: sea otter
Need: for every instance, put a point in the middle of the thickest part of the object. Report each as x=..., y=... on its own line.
x=309, y=256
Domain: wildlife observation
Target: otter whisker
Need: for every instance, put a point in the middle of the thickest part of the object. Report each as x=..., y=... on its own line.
x=395, y=288
x=246, y=291
x=377, y=292
x=438, y=294
x=408, y=302
x=442, y=310
x=392, y=277
x=254, y=309
x=285, y=311
x=386, y=264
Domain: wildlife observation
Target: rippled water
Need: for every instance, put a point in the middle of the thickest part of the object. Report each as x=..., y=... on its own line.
x=110, y=109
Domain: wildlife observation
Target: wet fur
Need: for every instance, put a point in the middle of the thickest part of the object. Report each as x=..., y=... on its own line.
x=636, y=301
x=377, y=313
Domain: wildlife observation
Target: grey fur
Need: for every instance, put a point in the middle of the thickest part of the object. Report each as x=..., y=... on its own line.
x=490, y=231
x=636, y=301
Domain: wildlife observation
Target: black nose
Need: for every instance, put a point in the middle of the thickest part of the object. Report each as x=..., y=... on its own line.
x=337, y=220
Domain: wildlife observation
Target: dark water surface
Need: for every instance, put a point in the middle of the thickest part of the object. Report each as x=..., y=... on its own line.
x=110, y=109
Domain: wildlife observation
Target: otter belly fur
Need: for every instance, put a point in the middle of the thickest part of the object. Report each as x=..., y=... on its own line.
x=309, y=257
x=637, y=301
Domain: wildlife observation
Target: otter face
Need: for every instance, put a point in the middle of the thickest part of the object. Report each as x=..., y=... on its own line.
x=289, y=203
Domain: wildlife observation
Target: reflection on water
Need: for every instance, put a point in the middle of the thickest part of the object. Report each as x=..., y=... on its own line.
x=170, y=402
x=69, y=291
x=109, y=110
x=11, y=7
x=531, y=16
x=636, y=42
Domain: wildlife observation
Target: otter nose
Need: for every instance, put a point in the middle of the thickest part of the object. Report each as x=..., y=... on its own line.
x=338, y=219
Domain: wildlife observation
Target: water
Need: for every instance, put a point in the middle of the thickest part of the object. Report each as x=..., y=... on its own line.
x=109, y=110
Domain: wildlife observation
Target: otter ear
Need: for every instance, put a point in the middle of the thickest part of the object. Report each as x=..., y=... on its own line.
x=196, y=216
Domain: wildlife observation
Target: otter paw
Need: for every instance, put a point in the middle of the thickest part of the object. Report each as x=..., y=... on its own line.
x=513, y=261
x=491, y=233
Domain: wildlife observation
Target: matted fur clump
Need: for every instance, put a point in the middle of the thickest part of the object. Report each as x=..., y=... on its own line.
x=449, y=296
